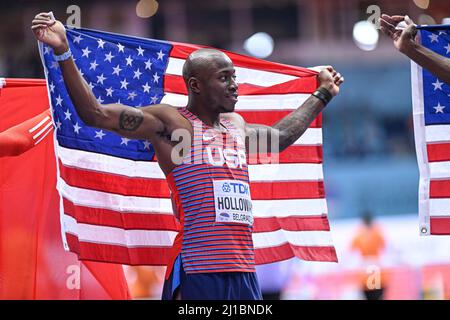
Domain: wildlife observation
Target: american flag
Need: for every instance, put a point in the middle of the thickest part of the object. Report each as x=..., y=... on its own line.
x=431, y=113
x=115, y=202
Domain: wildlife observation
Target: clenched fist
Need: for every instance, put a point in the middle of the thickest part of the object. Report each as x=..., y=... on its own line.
x=330, y=79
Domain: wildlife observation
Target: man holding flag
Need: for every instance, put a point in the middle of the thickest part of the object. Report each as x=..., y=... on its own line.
x=428, y=47
x=212, y=256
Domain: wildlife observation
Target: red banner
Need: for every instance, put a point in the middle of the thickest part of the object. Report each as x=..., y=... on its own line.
x=33, y=263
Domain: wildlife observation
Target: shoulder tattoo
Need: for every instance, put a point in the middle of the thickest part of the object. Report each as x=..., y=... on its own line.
x=130, y=120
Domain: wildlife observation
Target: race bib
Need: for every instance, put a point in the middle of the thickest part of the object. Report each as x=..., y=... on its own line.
x=233, y=201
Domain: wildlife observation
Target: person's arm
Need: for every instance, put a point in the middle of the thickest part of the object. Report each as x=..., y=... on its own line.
x=138, y=123
x=433, y=62
x=291, y=127
x=24, y=136
x=404, y=41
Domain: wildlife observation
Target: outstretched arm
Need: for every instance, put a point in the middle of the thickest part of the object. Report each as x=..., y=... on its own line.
x=24, y=136
x=291, y=127
x=404, y=42
x=127, y=121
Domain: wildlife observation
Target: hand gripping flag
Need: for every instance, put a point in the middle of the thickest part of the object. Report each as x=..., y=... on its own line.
x=116, y=203
x=431, y=112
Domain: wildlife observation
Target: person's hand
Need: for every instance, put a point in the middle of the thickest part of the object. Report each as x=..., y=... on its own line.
x=330, y=79
x=403, y=37
x=50, y=31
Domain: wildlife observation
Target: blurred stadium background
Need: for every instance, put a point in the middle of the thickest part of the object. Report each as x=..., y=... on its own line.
x=370, y=162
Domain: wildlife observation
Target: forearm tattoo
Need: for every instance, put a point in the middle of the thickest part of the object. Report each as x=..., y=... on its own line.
x=296, y=123
x=130, y=121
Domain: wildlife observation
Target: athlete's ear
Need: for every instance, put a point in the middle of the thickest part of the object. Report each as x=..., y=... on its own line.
x=194, y=85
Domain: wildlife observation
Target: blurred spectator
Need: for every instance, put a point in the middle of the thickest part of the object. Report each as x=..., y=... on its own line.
x=369, y=243
x=145, y=282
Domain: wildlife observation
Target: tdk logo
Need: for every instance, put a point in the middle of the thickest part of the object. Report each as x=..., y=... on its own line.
x=239, y=188
x=226, y=187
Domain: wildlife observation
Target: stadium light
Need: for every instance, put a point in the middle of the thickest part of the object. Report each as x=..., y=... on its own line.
x=146, y=8
x=365, y=35
x=259, y=45
x=426, y=19
x=422, y=4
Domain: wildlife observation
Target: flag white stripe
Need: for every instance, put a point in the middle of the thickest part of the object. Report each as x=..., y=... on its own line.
x=42, y=130
x=109, y=164
x=290, y=207
x=298, y=238
x=422, y=157
x=286, y=172
x=439, y=169
x=155, y=238
x=39, y=124
x=45, y=134
x=311, y=137
x=117, y=236
x=141, y=169
x=104, y=200
x=243, y=75
x=289, y=101
x=440, y=207
x=437, y=133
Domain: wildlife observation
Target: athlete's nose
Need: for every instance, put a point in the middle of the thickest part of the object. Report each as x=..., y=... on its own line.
x=233, y=86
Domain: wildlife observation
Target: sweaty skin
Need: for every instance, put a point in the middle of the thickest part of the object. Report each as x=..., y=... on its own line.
x=212, y=94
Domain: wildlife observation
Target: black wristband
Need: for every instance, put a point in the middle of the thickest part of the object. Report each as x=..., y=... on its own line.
x=323, y=94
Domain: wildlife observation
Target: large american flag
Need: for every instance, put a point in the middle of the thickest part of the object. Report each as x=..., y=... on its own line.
x=115, y=202
x=431, y=112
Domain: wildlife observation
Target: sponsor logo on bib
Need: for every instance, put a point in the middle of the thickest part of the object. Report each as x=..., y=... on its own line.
x=232, y=201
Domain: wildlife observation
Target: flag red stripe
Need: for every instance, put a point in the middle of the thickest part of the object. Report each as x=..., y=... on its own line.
x=175, y=84
x=287, y=251
x=270, y=117
x=160, y=255
x=134, y=221
x=291, y=223
x=440, y=225
x=155, y=221
x=156, y=256
x=123, y=220
x=182, y=50
x=24, y=82
x=107, y=182
x=293, y=154
x=287, y=190
x=438, y=152
x=158, y=188
x=440, y=189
